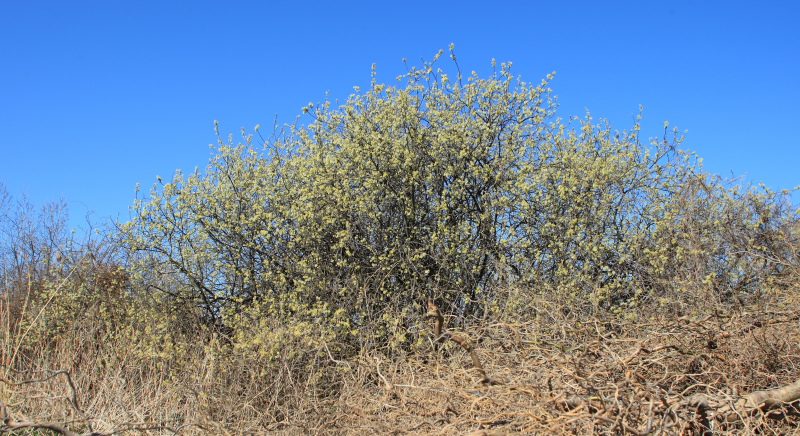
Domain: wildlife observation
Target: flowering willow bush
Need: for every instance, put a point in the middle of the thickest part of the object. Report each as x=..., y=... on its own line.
x=455, y=188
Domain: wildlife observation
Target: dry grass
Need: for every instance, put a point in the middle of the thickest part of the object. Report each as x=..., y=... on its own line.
x=554, y=373
x=598, y=377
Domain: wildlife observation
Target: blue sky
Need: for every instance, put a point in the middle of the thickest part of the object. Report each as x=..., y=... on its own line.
x=97, y=96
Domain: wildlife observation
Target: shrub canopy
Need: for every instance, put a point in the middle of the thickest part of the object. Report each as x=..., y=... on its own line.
x=459, y=189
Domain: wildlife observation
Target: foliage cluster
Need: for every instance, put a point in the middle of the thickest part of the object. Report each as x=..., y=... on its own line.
x=453, y=188
x=277, y=288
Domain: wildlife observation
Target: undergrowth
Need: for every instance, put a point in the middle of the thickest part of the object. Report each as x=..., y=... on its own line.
x=553, y=371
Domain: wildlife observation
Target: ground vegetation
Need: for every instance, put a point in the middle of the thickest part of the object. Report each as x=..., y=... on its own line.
x=438, y=255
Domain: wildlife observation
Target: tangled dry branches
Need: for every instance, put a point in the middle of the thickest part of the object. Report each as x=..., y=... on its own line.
x=665, y=377
x=719, y=374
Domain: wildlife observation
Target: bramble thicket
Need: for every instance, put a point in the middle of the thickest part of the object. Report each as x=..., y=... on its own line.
x=285, y=286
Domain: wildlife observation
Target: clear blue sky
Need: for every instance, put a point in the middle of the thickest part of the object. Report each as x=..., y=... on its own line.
x=97, y=96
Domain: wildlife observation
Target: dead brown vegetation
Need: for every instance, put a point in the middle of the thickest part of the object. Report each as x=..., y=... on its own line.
x=725, y=372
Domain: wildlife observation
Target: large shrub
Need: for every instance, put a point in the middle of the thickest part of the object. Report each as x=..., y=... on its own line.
x=454, y=188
